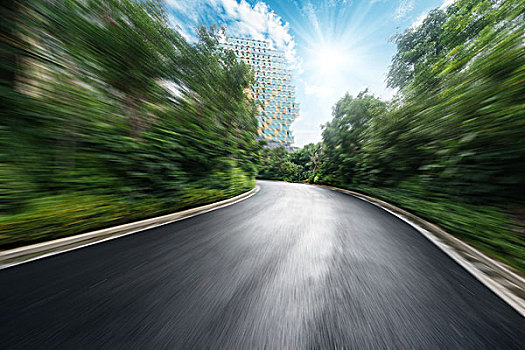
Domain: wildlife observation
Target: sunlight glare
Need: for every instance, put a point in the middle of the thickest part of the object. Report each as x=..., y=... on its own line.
x=330, y=59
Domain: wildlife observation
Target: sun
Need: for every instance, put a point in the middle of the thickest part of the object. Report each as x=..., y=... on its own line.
x=330, y=59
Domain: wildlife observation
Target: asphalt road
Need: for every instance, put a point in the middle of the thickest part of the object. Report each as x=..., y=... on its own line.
x=294, y=266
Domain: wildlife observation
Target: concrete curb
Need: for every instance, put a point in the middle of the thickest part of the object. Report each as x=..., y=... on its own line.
x=13, y=257
x=495, y=275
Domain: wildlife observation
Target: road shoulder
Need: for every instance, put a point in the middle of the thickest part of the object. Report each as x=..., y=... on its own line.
x=17, y=256
x=499, y=278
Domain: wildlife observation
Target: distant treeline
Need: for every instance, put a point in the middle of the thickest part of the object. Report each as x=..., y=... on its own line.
x=451, y=145
x=110, y=115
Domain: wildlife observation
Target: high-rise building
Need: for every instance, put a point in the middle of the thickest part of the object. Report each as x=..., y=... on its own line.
x=272, y=88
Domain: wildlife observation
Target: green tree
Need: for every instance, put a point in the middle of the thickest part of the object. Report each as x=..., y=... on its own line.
x=450, y=148
x=114, y=116
x=343, y=135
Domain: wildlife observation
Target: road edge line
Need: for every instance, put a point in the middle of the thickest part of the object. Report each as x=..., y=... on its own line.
x=25, y=254
x=456, y=249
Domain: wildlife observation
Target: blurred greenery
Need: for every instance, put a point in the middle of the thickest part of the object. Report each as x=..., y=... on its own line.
x=110, y=115
x=450, y=147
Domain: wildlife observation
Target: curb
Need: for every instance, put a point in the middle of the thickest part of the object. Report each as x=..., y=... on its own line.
x=499, y=278
x=17, y=256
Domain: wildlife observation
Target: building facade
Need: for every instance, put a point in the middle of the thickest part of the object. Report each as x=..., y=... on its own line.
x=272, y=88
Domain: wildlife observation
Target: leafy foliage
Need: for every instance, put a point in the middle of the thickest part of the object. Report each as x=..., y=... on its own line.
x=112, y=116
x=299, y=166
x=450, y=147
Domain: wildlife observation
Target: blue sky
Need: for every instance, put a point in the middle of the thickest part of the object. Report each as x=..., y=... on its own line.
x=332, y=46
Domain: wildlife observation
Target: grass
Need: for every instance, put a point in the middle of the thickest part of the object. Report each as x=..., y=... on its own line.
x=490, y=229
x=58, y=216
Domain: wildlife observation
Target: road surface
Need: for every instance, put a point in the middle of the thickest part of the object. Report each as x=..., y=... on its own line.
x=293, y=267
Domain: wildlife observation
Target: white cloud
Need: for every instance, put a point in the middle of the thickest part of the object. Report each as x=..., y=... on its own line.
x=405, y=6
x=261, y=23
x=446, y=3
x=308, y=11
x=185, y=15
x=419, y=20
x=240, y=18
x=309, y=134
x=183, y=30
x=320, y=91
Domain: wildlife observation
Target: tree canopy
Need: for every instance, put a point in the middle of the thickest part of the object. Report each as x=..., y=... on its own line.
x=450, y=147
x=111, y=108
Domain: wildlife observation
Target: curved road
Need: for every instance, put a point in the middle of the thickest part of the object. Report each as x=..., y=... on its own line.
x=294, y=266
